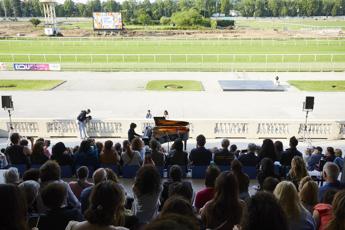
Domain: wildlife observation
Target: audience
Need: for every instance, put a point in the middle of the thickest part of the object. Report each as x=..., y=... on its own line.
x=156, y=155
x=338, y=219
x=87, y=154
x=339, y=160
x=78, y=186
x=31, y=174
x=278, y=147
x=314, y=159
x=61, y=154
x=270, y=183
x=106, y=203
x=330, y=174
x=322, y=213
x=147, y=189
x=13, y=210
x=206, y=194
x=17, y=154
x=130, y=157
x=330, y=154
x=290, y=153
x=138, y=145
x=242, y=179
x=266, y=170
x=224, y=156
x=30, y=190
x=308, y=193
x=249, y=159
x=298, y=217
x=267, y=150
x=200, y=155
x=298, y=170
x=11, y=176
x=264, y=212
x=173, y=222
x=109, y=154
x=38, y=156
x=177, y=156
x=225, y=210
x=57, y=216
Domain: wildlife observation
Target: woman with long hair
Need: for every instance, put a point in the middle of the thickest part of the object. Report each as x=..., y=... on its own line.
x=109, y=154
x=266, y=170
x=138, y=145
x=225, y=210
x=298, y=217
x=61, y=154
x=338, y=220
x=37, y=156
x=130, y=157
x=267, y=150
x=308, y=190
x=242, y=178
x=298, y=170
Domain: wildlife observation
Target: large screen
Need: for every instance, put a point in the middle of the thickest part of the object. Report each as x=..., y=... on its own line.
x=107, y=21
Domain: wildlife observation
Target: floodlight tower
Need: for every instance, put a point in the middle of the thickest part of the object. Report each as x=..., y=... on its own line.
x=50, y=27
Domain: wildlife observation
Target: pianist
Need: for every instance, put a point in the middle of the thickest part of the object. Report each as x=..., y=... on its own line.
x=131, y=132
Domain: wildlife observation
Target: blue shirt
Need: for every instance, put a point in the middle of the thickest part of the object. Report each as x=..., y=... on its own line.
x=84, y=198
x=323, y=189
x=313, y=161
x=89, y=158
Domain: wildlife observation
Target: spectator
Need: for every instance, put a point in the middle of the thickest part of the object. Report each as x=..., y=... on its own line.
x=308, y=190
x=315, y=159
x=264, y=212
x=78, y=186
x=51, y=172
x=99, y=146
x=278, y=147
x=242, y=179
x=225, y=210
x=298, y=217
x=200, y=155
x=267, y=150
x=46, y=145
x=266, y=170
x=98, y=176
x=138, y=145
x=106, y=206
x=270, y=183
x=57, y=216
x=338, y=204
x=173, y=222
x=307, y=154
x=31, y=174
x=11, y=176
x=224, y=156
x=298, y=170
x=330, y=154
x=177, y=156
x=87, y=154
x=178, y=205
x=233, y=150
x=156, y=155
x=206, y=194
x=15, y=153
x=3, y=159
x=323, y=211
x=175, y=178
x=38, y=156
x=118, y=148
x=183, y=190
x=13, y=210
x=290, y=153
x=130, y=157
x=109, y=154
x=339, y=160
x=131, y=132
x=330, y=174
x=61, y=154
x=249, y=159
x=146, y=190
x=30, y=189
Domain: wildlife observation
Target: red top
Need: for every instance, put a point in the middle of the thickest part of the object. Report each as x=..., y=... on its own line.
x=203, y=196
x=325, y=213
x=77, y=188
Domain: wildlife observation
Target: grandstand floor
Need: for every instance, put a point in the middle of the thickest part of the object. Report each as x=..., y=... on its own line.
x=123, y=95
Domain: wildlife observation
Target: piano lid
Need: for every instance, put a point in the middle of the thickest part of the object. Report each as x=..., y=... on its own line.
x=161, y=121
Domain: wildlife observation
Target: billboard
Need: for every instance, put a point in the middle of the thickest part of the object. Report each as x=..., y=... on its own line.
x=107, y=21
x=36, y=67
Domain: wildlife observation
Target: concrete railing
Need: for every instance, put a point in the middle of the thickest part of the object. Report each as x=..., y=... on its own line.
x=251, y=129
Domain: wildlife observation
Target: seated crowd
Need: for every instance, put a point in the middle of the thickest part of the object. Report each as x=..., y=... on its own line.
x=287, y=197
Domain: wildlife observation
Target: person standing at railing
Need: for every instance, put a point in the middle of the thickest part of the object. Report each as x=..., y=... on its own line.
x=82, y=119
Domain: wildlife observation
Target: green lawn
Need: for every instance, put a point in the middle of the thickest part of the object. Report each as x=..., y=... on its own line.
x=174, y=85
x=326, y=86
x=8, y=85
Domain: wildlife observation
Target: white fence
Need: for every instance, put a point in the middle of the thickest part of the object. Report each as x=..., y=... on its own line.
x=251, y=129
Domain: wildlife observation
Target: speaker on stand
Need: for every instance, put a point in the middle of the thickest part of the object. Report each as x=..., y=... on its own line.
x=308, y=106
x=7, y=104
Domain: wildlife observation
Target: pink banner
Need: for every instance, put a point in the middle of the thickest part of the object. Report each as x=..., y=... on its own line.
x=35, y=67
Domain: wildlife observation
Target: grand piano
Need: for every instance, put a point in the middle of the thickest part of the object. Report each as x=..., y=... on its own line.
x=168, y=130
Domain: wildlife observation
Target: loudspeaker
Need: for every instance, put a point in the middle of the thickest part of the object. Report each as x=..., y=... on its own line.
x=309, y=103
x=7, y=102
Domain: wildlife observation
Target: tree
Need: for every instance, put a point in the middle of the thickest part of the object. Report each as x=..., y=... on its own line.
x=225, y=6
x=143, y=17
x=35, y=21
x=273, y=7
x=260, y=8
x=69, y=8
x=128, y=9
x=247, y=8
x=189, y=17
x=16, y=8
x=110, y=6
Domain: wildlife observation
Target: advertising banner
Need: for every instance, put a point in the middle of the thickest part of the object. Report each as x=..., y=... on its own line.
x=107, y=21
x=36, y=67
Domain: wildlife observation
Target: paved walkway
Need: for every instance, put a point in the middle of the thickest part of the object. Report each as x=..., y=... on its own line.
x=122, y=95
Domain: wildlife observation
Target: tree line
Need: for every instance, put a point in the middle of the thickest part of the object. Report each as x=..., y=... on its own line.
x=146, y=12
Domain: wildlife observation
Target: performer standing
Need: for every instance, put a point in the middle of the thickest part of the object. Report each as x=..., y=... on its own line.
x=82, y=119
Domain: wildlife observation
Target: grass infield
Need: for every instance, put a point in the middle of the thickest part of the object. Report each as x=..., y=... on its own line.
x=9, y=85
x=325, y=86
x=174, y=85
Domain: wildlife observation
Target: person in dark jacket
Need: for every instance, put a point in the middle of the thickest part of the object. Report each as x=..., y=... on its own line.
x=131, y=132
x=87, y=154
x=267, y=150
x=61, y=154
x=200, y=155
x=249, y=158
x=224, y=156
x=16, y=153
x=57, y=216
x=287, y=155
x=38, y=156
x=82, y=119
x=177, y=156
